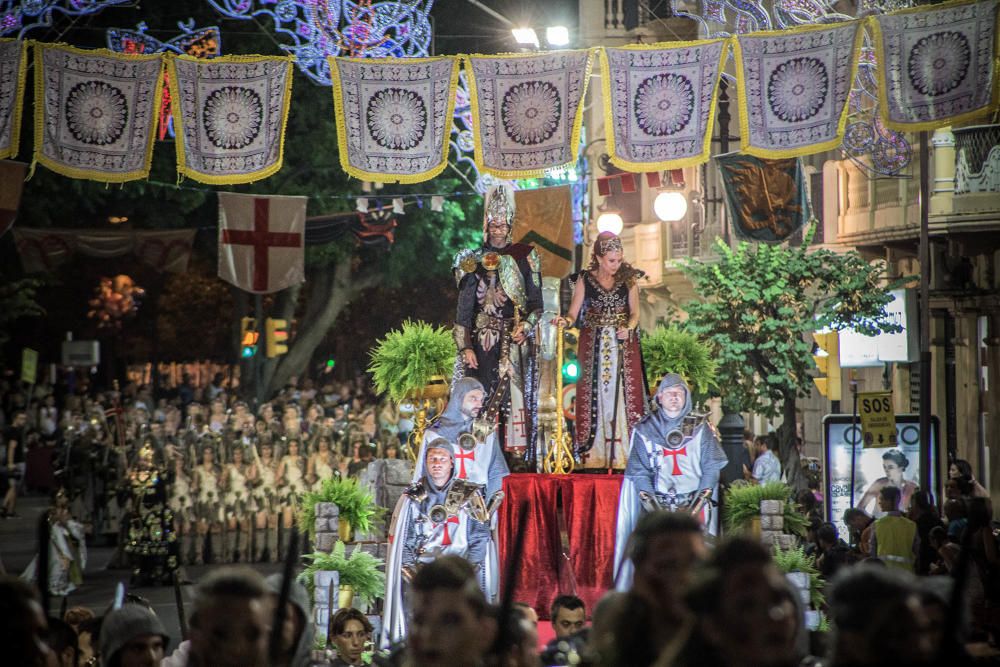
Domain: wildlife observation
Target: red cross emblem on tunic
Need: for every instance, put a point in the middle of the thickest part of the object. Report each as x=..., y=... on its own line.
x=519, y=424
x=462, y=457
x=262, y=241
x=683, y=451
x=446, y=537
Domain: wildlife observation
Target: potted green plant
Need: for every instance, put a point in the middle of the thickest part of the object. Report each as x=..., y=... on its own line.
x=670, y=349
x=741, y=506
x=358, y=511
x=413, y=362
x=359, y=573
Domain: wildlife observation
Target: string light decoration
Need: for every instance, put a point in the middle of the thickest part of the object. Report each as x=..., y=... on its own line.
x=22, y=16
x=868, y=143
x=316, y=29
x=197, y=42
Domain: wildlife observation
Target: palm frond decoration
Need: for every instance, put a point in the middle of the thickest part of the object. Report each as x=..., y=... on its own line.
x=669, y=349
x=406, y=360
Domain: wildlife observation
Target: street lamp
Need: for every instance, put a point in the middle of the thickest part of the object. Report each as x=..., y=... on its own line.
x=525, y=36
x=670, y=205
x=557, y=35
x=610, y=221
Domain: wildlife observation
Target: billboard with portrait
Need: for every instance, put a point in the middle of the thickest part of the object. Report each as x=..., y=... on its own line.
x=874, y=467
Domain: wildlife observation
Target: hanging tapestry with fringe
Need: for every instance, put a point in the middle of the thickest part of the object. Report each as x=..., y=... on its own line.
x=943, y=64
x=13, y=72
x=793, y=87
x=96, y=111
x=766, y=200
x=660, y=102
x=230, y=114
x=394, y=116
x=527, y=110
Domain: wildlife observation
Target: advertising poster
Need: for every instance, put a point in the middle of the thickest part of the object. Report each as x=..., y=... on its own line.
x=874, y=467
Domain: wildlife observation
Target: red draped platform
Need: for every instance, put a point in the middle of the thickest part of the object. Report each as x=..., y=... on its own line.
x=589, y=506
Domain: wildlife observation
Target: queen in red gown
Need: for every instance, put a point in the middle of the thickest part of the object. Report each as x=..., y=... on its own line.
x=611, y=392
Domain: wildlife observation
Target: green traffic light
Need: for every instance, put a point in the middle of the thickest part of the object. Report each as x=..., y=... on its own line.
x=248, y=352
x=330, y=363
x=571, y=370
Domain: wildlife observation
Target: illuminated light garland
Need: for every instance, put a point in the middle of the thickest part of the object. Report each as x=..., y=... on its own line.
x=868, y=143
x=22, y=16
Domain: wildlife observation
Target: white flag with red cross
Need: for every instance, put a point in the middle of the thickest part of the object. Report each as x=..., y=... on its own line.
x=261, y=241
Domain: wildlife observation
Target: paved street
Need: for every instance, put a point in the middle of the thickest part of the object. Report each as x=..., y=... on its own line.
x=17, y=547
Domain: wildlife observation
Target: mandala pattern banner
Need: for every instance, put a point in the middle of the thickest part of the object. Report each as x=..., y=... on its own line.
x=13, y=72
x=943, y=63
x=527, y=110
x=96, y=112
x=659, y=103
x=394, y=116
x=230, y=114
x=794, y=86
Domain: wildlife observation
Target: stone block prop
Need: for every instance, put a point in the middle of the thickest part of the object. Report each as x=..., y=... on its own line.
x=772, y=508
x=772, y=522
x=325, y=597
x=327, y=526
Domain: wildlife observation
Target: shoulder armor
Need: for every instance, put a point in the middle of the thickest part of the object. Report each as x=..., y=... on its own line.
x=465, y=262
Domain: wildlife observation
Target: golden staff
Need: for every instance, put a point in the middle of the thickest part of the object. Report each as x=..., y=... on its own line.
x=559, y=458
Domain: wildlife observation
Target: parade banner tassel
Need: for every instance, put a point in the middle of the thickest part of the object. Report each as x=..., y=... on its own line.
x=261, y=241
x=943, y=61
x=96, y=112
x=13, y=73
x=527, y=111
x=394, y=116
x=659, y=100
x=230, y=114
x=794, y=86
x=765, y=199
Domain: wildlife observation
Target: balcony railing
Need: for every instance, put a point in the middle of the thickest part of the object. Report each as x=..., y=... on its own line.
x=977, y=159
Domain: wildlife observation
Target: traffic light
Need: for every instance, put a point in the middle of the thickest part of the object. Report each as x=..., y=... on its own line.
x=277, y=335
x=827, y=360
x=248, y=337
x=570, y=366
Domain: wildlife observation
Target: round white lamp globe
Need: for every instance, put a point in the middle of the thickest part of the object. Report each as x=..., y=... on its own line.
x=670, y=206
x=610, y=222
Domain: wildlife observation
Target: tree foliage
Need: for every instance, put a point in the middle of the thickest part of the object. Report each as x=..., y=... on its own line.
x=17, y=300
x=760, y=303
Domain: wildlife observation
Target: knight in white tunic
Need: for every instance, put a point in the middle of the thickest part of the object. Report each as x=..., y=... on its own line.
x=438, y=515
x=674, y=464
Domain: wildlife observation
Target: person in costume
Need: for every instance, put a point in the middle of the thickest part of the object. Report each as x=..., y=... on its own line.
x=181, y=503
x=674, y=464
x=208, y=503
x=151, y=543
x=291, y=486
x=262, y=477
x=438, y=515
x=67, y=550
x=499, y=304
x=238, y=504
x=611, y=392
x=322, y=462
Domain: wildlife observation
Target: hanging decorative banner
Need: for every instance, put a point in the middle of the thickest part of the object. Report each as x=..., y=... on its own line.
x=13, y=72
x=943, y=64
x=11, y=185
x=96, y=112
x=545, y=220
x=659, y=101
x=765, y=199
x=394, y=116
x=230, y=114
x=527, y=110
x=793, y=87
x=48, y=249
x=262, y=241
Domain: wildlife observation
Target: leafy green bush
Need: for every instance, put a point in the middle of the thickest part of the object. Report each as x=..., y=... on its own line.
x=406, y=359
x=669, y=349
x=356, y=505
x=742, y=504
x=796, y=560
x=359, y=571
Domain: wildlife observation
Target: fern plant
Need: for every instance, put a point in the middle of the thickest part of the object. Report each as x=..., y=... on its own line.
x=796, y=560
x=356, y=505
x=742, y=504
x=360, y=571
x=669, y=349
x=406, y=359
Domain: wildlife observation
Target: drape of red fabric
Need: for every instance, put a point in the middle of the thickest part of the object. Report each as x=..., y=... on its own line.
x=536, y=573
x=590, y=504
